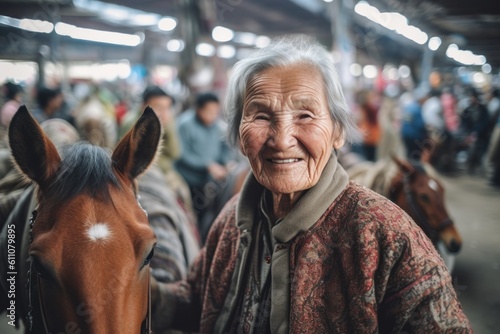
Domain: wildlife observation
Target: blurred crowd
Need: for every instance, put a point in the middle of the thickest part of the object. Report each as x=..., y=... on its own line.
x=195, y=161
x=455, y=128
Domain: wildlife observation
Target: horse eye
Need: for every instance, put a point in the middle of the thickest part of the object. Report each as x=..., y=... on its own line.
x=39, y=268
x=150, y=256
x=425, y=198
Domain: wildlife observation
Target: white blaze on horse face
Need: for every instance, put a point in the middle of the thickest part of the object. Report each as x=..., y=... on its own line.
x=433, y=185
x=99, y=231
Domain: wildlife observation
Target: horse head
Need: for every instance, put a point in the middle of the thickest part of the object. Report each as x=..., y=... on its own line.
x=422, y=197
x=90, y=240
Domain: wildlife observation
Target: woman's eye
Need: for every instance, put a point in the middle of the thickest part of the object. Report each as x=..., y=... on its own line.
x=305, y=116
x=262, y=117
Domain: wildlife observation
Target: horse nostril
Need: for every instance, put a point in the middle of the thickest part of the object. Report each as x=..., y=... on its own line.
x=454, y=246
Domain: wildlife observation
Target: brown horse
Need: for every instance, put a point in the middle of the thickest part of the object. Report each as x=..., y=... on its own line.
x=413, y=187
x=89, y=242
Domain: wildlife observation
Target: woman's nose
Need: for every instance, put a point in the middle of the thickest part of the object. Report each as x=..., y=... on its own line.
x=282, y=136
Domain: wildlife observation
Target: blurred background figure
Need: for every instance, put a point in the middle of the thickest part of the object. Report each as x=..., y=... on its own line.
x=50, y=105
x=162, y=104
x=12, y=97
x=205, y=161
x=389, y=117
x=413, y=129
x=494, y=146
x=368, y=123
x=475, y=121
x=95, y=118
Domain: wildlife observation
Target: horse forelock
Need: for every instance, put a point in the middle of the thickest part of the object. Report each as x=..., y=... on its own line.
x=84, y=168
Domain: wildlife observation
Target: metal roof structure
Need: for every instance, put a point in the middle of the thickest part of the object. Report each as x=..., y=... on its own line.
x=471, y=25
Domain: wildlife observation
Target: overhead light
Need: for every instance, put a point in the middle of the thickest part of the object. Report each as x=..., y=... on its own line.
x=486, y=68
x=36, y=25
x=117, y=13
x=40, y=26
x=222, y=34
x=404, y=71
x=205, y=49
x=246, y=38
x=355, y=70
x=465, y=57
x=370, y=71
x=328, y=0
x=94, y=35
x=392, y=21
x=175, y=45
x=167, y=24
x=226, y=51
x=262, y=41
x=434, y=43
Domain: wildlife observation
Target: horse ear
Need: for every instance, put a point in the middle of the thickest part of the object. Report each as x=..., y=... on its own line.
x=34, y=153
x=403, y=164
x=137, y=149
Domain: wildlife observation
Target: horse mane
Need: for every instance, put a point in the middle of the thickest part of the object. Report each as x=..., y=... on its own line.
x=84, y=168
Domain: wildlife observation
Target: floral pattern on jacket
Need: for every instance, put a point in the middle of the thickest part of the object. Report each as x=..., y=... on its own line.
x=363, y=267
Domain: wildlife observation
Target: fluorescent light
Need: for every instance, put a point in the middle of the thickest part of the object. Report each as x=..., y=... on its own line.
x=94, y=35
x=205, y=49
x=36, y=26
x=175, y=45
x=27, y=24
x=392, y=21
x=465, y=57
x=167, y=24
x=222, y=34
x=226, y=51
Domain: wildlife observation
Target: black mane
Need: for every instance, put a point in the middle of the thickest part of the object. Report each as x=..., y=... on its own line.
x=84, y=168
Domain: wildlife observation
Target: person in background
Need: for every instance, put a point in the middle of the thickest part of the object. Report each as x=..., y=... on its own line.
x=162, y=104
x=205, y=159
x=50, y=102
x=369, y=123
x=494, y=147
x=302, y=249
x=13, y=95
x=476, y=121
x=413, y=130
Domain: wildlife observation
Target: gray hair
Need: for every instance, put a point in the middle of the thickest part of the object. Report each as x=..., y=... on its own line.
x=282, y=53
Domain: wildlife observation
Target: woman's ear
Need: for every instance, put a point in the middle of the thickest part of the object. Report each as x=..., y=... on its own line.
x=338, y=140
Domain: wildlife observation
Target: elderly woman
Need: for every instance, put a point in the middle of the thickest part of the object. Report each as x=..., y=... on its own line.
x=302, y=249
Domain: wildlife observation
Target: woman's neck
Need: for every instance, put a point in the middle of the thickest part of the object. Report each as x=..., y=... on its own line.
x=283, y=203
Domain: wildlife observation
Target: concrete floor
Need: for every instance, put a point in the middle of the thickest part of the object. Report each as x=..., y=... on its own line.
x=475, y=208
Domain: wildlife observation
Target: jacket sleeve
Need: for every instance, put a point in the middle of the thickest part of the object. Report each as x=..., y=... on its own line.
x=420, y=297
x=178, y=305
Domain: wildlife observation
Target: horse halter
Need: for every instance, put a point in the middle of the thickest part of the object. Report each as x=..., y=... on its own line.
x=147, y=323
x=420, y=217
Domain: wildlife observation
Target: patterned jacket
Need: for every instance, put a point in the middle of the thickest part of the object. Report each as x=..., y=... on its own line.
x=359, y=265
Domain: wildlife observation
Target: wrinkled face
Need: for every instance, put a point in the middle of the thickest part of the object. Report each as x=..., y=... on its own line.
x=162, y=106
x=209, y=113
x=286, y=130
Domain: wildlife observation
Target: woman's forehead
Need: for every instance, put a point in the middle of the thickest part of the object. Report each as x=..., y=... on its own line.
x=299, y=83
